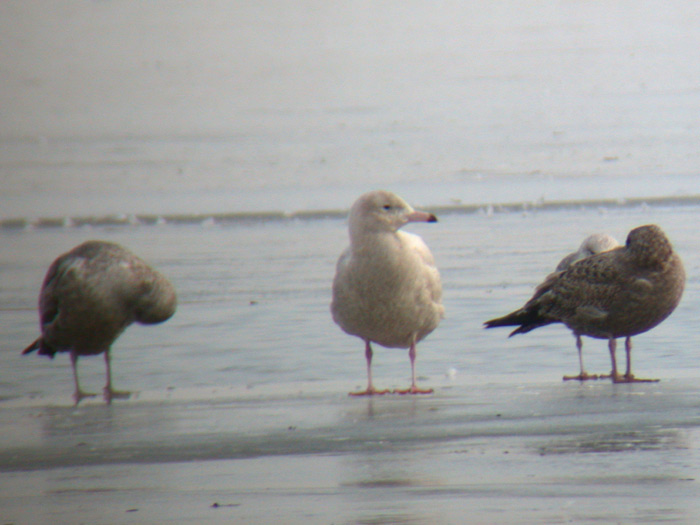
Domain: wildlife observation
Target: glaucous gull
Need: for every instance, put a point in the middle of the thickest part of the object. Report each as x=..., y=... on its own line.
x=595, y=243
x=90, y=295
x=618, y=293
x=387, y=289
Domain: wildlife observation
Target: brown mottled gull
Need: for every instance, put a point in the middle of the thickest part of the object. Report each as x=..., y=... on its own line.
x=619, y=293
x=90, y=295
x=591, y=245
x=386, y=289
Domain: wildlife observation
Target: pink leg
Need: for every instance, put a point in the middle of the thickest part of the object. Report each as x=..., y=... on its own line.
x=414, y=388
x=78, y=394
x=628, y=353
x=629, y=377
x=108, y=392
x=612, y=346
x=583, y=375
x=370, y=387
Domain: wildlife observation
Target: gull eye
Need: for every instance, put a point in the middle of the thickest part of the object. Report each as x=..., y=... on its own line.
x=387, y=207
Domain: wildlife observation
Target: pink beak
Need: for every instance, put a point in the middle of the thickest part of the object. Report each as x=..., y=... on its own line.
x=421, y=216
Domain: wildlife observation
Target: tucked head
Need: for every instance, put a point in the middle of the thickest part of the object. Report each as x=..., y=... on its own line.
x=597, y=243
x=649, y=245
x=383, y=211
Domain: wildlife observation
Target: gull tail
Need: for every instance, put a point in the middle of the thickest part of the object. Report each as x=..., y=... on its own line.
x=40, y=345
x=524, y=319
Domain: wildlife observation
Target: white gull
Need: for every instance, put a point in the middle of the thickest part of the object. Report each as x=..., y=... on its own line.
x=387, y=288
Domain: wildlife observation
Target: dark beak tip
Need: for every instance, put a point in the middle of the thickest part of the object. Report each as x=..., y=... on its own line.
x=432, y=218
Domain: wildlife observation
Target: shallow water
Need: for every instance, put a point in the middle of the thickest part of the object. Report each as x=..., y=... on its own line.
x=254, y=300
x=126, y=107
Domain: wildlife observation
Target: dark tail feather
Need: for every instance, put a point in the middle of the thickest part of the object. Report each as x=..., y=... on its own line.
x=34, y=346
x=525, y=320
x=40, y=345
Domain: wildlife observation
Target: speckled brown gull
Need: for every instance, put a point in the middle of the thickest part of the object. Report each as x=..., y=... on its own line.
x=90, y=295
x=591, y=245
x=386, y=289
x=619, y=293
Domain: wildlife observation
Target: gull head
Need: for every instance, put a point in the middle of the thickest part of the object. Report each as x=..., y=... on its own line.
x=597, y=243
x=381, y=210
x=649, y=245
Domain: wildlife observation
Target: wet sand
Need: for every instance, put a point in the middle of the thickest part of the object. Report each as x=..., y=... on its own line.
x=479, y=451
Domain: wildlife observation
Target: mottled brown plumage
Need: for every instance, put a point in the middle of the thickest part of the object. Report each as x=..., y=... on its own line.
x=619, y=293
x=591, y=245
x=90, y=295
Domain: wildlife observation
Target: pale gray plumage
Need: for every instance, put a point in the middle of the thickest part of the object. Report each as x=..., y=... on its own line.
x=619, y=293
x=596, y=243
x=90, y=295
x=386, y=289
